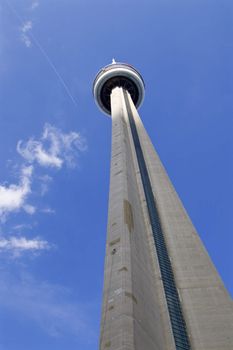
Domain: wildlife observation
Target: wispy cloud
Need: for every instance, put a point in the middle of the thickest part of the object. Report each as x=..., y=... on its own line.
x=13, y=197
x=18, y=245
x=25, y=30
x=53, y=149
x=48, y=211
x=34, y=5
x=30, y=209
x=49, y=306
x=22, y=227
x=26, y=26
x=26, y=40
x=45, y=181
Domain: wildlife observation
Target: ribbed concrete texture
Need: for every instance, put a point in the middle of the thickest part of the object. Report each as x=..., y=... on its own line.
x=136, y=314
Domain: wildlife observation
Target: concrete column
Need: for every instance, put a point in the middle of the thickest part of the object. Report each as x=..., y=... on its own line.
x=133, y=314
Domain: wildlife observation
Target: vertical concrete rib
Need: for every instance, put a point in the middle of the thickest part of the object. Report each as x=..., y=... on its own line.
x=131, y=315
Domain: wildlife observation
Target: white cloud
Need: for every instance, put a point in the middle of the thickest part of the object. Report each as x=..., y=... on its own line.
x=33, y=151
x=13, y=197
x=53, y=149
x=21, y=244
x=24, y=30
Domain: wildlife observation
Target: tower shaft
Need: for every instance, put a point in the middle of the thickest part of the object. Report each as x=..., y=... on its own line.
x=161, y=290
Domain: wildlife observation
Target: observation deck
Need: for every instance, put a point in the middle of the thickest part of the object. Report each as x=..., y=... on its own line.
x=121, y=75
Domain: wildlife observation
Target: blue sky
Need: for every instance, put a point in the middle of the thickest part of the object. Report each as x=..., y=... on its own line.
x=55, y=147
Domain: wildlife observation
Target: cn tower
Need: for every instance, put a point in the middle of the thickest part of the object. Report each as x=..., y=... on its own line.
x=161, y=289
